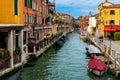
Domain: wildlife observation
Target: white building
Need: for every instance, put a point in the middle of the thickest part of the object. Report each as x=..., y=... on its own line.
x=92, y=24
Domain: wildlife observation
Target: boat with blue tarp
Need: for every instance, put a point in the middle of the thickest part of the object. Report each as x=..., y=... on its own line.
x=59, y=43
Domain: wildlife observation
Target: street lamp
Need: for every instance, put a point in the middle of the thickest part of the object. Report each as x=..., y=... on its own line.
x=109, y=52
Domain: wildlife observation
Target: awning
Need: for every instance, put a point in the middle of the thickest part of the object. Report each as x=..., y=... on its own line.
x=108, y=28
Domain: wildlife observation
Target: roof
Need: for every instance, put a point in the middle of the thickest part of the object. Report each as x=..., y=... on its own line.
x=113, y=6
x=106, y=1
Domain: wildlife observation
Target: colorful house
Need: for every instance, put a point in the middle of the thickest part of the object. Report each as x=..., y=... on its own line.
x=108, y=18
x=83, y=22
x=92, y=24
x=11, y=34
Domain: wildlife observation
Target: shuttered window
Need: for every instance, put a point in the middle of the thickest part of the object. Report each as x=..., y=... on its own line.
x=16, y=7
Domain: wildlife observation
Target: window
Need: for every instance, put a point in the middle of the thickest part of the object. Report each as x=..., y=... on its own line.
x=28, y=19
x=112, y=22
x=24, y=38
x=30, y=3
x=35, y=20
x=16, y=7
x=25, y=3
x=25, y=19
x=112, y=12
x=106, y=22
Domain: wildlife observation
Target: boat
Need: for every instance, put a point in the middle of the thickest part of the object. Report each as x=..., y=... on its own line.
x=97, y=67
x=59, y=43
x=82, y=35
x=63, y=40
x=65, y=37
x=91, y=49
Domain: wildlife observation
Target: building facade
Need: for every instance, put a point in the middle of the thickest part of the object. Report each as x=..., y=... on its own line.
x=108, y=19
x=92, y=24
x=11, y=34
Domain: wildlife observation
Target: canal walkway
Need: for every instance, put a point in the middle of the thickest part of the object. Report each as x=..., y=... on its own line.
x=111, y=50
x=66, y=63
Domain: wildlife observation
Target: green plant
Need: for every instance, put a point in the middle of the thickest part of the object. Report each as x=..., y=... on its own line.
x=117, y=36
x=40, y=42
x=1, y=55
x=17, y=50
x=8, y=52
x=94, y=28
x=5, y=53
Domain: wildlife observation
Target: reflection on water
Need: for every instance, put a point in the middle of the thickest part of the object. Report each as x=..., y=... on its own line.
x=66, y=63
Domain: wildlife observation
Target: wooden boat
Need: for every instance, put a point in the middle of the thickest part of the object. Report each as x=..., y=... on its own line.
x=97, y=66
x=91, y=49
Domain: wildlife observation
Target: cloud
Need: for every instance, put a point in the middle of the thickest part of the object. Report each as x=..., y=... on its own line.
x=80, y=7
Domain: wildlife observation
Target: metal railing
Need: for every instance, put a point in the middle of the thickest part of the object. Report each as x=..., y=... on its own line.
x=114, y=55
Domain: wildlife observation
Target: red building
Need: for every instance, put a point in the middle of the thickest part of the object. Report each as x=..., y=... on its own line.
x=83, y=22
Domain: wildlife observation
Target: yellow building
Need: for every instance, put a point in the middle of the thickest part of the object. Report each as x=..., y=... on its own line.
x=11, y=12
x=11, y=32
x=108, y=18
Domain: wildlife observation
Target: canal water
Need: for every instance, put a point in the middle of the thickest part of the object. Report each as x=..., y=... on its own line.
x=66, y=63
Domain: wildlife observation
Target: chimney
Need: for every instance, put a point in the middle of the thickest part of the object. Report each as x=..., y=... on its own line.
x=106, y=0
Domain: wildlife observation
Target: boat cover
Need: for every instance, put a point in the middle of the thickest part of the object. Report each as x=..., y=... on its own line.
x=97, y=64
x=94, y=49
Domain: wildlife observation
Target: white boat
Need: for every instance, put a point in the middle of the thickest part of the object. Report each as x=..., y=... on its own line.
x=82, y=35
x=91, y=49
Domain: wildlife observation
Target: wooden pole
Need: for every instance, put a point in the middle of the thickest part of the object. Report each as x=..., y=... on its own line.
x=105, y=54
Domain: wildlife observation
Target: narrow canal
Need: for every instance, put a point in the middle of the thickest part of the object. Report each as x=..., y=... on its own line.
x=66, y=63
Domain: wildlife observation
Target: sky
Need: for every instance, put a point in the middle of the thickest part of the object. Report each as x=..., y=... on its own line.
x=78, y=8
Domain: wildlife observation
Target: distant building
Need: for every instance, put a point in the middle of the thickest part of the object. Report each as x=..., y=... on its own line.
x=83, y=22
x=92, y=24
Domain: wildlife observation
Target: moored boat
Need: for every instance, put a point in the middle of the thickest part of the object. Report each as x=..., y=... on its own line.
x=59, y=44
x=91, y=49
x=97, y=66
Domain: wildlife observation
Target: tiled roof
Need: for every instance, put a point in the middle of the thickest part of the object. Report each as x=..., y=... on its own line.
x=114, y=6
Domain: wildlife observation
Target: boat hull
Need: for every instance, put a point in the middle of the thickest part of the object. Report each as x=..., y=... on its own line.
x=97, y=73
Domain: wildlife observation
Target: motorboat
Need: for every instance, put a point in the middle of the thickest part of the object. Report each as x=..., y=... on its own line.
x=92, y=49
x=97, y=66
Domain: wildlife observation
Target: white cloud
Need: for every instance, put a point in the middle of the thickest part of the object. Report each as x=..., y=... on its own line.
x=82, y=5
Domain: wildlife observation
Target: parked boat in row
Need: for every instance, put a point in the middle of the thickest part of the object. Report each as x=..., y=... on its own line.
x=91, y=49
x=61, y=41
x=97, y=66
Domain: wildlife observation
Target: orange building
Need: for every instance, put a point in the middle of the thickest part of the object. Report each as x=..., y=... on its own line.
x=83, y=22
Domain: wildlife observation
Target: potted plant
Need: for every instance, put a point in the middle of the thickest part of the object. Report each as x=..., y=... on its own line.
x=4, y=59
x=17, y=55
x=17, y=50
x=6, y=53
x=1, y=55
